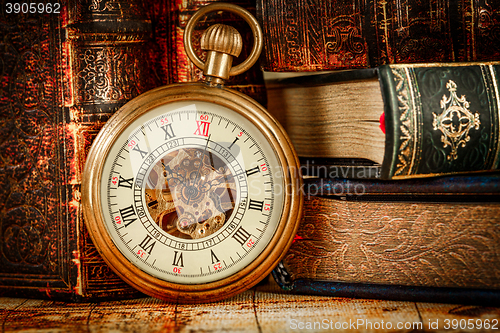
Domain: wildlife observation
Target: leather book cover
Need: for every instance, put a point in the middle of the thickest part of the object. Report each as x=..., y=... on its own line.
x=440, y=119
x=398, y=240
x=319, y=35
x=394, y=121
x=63, y=75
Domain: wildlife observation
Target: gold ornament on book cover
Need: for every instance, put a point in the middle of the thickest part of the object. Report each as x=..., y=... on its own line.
x=406, y=151
x=455, y=121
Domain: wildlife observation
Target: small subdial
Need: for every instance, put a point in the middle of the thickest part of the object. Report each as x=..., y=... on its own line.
x=190, y=193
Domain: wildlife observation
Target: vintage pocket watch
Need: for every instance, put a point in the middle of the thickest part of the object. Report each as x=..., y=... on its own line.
x=191, y=191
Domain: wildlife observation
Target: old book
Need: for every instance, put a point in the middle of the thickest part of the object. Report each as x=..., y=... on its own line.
x=332, y=34
x=418, y=240
x=63, y=75
x=62, y=78
x=407, y=120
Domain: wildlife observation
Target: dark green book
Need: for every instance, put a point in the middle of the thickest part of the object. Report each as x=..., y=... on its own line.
x=395, y=121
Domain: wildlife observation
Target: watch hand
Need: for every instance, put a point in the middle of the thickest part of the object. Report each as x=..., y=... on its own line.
x=199, y=168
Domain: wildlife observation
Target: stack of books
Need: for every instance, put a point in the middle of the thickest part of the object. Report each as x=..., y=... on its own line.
x=399, y=143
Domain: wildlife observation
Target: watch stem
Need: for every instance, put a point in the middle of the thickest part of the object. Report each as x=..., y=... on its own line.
x=222, y=42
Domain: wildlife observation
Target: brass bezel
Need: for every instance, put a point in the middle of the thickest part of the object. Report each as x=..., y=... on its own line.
x=193, y=293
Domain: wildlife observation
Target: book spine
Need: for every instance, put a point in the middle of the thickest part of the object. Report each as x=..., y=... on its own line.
x=310, y=35
x=419, y=244
x=464, y=296
x=440, y=119
x=412, y=32
x=67, y=73
x=318, y=35
x=105, y=66
x=481, y=187
x=477, y=35
x=33, y=229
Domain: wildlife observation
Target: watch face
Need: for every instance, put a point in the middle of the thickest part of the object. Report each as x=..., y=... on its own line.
x=191, y=194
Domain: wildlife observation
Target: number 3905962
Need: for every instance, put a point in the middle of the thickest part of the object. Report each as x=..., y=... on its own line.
x=33, y=8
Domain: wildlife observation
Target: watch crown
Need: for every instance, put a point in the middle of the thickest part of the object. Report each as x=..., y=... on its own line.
x=222, y=38
x=222, y=42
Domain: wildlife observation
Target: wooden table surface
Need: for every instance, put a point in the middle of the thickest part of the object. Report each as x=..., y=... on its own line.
x=265, y=308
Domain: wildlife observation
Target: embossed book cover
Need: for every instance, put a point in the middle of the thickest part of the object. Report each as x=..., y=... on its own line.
x=62, y=78
x=434, y=240
x=406, y=121
x=316, y=35
x=66, y=67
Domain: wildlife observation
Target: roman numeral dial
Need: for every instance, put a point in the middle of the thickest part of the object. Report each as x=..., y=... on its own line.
x=191, y=192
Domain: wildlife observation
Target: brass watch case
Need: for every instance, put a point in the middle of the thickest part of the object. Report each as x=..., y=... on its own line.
x=220, y=289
